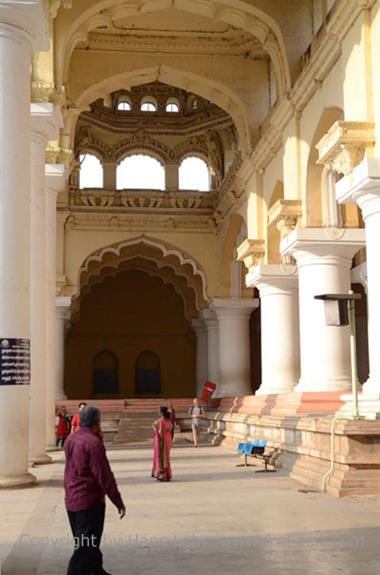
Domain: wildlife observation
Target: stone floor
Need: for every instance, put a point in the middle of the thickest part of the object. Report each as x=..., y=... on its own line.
x=214, y=518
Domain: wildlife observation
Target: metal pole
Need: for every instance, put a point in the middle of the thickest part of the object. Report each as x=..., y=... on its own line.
x=354, y=370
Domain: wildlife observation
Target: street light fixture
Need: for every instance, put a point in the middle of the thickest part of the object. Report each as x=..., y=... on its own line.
x=340, y=311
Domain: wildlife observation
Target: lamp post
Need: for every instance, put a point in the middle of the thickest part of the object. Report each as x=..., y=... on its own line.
x=340, y=311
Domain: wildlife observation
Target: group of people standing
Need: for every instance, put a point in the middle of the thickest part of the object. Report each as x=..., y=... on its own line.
x=65, y=424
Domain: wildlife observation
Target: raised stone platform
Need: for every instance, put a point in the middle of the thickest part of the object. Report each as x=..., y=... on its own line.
x=326, y=452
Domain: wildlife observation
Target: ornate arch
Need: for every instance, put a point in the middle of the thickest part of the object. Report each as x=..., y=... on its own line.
x=152, y=256
x=140, y=143
x=242, y=15
x=218, y=93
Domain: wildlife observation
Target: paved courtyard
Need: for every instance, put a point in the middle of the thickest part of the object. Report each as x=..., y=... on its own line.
x=214, y=518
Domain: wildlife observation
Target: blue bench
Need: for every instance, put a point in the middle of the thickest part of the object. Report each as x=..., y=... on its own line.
x=255, y=449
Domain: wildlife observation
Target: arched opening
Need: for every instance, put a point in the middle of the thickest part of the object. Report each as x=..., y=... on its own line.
x=105, y=377
x=130, y=311
x=91, y=172
x=140, y=171
x=172, y=105
x=148, y=104
x=194, y=174
x=147, y=374
x=124, y=105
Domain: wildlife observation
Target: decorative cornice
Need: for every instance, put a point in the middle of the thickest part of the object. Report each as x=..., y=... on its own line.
x=145, y=201
x=251, y=252
x=48, y=92
x=232, y=40
x=138, y=222
x=344, y=145
x=285, y=214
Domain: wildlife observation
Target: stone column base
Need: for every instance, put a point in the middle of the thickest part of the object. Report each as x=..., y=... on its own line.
x=283, y=404
x=42, y=460
x=19, y=481
x=369, y=405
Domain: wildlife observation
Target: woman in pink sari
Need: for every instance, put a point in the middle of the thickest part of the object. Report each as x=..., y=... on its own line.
x=162, y=442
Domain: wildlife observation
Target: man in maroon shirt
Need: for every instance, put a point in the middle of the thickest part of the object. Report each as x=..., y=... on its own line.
x=88, y=479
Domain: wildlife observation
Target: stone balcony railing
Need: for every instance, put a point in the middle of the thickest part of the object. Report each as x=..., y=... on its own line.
x=141, y=200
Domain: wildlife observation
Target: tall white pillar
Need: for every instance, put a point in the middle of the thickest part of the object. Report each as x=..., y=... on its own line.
x=20, y=27
x=280, y=355
x=363, y=187
x=199, y=328
x=212, y=329
x=324, y=259
x=62, y=315
x=45, y=124
x=234, y=349
x=55, y=182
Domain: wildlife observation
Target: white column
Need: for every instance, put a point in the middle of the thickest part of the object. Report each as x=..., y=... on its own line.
x=63, y=315
x=363, y=187
x=45, y=124
x=234, y=349
x=17, y=38
x=324, y=259
x=55, y=182
x=199, y=328
x=280, y=355
x=212, y=328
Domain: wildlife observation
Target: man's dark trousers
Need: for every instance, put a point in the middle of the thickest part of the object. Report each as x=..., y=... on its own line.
x=87, y=528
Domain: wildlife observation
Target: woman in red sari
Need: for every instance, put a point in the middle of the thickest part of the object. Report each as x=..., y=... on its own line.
x=162, y=442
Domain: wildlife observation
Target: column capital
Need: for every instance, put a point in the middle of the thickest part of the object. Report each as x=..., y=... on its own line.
x=251, y=252
x=345, y=144
x=335, y=245
x=285, y=215
x=359, y=275
x=209, y=317
x=55, y=176
x=362, y=187
x=63, y=307
x=28, y=16
x=46, y=120
x=233, y=307
x=273, y=278
x=198, y=325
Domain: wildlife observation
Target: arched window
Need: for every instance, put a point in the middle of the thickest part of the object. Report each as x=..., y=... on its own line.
x=147, y=374
x=148, y=107
x=194, y=175
x=172, y=105
x=124, y=106
x=105, y=377
x=91, y=172
x=140, y=171
x=192, y=103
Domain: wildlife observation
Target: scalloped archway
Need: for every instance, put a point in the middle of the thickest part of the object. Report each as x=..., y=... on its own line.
x=153, y=257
